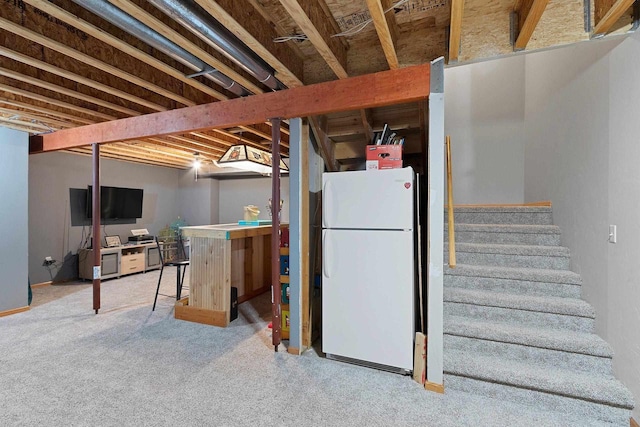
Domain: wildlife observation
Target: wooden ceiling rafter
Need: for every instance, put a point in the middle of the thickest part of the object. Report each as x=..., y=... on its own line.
x=310, y=16
x=386, y=28
x=51, y=122
x=258, y=34
x=48, y=111
x=119, y=93
x=51, y=101
x=184, y=42
x=113, y=41
x=109, y=154
x=529, y=14
x=607, y=13
x=69, y=92
x=93, y=62
x=455, y=29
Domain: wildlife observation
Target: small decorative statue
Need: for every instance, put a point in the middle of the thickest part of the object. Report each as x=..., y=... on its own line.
x=269, y=206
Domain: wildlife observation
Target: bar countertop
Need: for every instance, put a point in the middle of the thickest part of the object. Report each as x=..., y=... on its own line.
x=228, y=231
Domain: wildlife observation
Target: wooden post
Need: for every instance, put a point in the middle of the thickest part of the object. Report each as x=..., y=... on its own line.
x=452, y=232
x=95, y=245
x=275, y=232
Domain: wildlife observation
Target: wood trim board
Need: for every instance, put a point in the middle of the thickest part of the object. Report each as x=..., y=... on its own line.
x=14, y=311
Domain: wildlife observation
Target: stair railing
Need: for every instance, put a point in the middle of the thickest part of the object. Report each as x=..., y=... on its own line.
x=452, y=237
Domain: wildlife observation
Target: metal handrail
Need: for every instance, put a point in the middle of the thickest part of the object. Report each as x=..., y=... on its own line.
x=452, y=238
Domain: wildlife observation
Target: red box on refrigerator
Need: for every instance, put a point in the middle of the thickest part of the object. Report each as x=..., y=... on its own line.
x=384, y=157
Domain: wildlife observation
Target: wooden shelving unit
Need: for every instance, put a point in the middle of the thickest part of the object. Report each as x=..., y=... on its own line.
x=284, y=296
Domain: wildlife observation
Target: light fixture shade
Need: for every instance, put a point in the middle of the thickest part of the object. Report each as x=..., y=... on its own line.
x=250, y=158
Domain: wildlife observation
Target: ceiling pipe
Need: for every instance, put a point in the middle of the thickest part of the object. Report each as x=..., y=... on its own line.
x=198, y=21
x=129, y=24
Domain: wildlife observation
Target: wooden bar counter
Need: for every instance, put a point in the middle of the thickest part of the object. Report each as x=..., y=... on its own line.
x=224, y=256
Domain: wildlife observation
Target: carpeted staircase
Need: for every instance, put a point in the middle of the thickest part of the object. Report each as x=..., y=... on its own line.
x=515, y=326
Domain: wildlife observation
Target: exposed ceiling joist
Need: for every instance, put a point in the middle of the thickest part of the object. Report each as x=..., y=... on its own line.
x=89, y=60
x=529, y=15
x=314, y=22
x=159, y=26
x=455, y=29
x=607, y=13
x=258, y=35
x=111, y=40
x=386, y=28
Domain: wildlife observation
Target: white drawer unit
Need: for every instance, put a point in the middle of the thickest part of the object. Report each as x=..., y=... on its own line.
x=119, y=261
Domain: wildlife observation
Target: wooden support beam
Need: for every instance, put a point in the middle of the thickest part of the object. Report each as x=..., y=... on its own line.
x=310, y=16
x=371, y=90
x=455, y=29
x=529, y=15
x=387, y=30
x=258, y=35
x=607, y=13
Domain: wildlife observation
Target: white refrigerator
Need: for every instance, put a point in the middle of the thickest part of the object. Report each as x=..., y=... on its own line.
x=368, y=268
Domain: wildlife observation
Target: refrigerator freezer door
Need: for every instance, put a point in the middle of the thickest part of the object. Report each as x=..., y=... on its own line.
x=368, y=296
x=380, y=199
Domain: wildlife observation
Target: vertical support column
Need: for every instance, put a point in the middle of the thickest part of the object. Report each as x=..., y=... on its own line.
x=435, y=236
x=95, y=246
x=299, y=301
x=275, y=232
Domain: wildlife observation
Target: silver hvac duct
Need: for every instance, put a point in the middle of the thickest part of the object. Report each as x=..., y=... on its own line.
x=196, y=19
x=127, y=23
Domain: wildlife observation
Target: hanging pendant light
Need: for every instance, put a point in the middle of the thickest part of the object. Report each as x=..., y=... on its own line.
x=242, y=156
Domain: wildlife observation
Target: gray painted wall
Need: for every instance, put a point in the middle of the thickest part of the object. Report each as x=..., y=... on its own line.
x=195, y=199
x=14, y=152
x=582, y=151
x=50, y=231
x=235, y=194
x=484, y=114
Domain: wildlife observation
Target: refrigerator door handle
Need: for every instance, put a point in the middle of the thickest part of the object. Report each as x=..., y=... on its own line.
x=327, y=196
x=325, y=256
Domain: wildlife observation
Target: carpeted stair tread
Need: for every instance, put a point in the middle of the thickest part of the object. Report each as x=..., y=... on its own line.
x=501, y=209
x=552, y=339
x=528, y=274
x=506, y=228
x=584, y=386
x=554, y=305
x=524, y=250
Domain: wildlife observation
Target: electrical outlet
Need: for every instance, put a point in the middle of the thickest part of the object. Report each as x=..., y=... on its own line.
x=613, y=234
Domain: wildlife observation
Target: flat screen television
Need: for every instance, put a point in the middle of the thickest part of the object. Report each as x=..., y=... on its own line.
x=117, y=202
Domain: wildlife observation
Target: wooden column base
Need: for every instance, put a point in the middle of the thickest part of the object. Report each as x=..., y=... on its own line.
x=199, y=315
x=438, y=388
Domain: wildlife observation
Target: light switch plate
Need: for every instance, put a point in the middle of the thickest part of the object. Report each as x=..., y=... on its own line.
x=613, y=234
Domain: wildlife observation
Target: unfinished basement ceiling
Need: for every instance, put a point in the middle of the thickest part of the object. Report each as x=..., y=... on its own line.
x=63, y=66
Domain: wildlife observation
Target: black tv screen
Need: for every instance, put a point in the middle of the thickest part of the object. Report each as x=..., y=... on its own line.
x=117, y=202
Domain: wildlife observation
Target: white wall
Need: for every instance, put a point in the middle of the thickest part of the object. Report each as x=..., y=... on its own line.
x=623, y=311
x=51, y=175
x=484, y=114
x=14, y=152
x=582, y=152
x=235, y=194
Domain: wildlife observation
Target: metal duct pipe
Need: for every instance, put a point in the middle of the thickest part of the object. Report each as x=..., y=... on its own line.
x=129, y=24
x=196, y=19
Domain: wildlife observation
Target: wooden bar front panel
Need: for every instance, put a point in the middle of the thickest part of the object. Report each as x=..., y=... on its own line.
x=210, y=278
